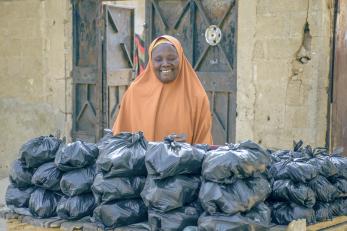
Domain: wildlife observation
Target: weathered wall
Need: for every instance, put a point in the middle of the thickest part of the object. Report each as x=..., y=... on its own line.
x=280, y=99
x=35, y=65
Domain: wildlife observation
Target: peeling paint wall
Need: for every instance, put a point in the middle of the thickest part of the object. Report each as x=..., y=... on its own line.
x=35, y=66
x=283, y=73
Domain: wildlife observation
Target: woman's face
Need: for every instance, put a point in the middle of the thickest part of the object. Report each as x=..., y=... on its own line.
x=165, y=62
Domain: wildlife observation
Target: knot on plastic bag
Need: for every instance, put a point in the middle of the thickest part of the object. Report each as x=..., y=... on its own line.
x=174, y=141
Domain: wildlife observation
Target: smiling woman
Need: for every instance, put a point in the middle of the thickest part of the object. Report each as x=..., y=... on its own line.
x=166, y=98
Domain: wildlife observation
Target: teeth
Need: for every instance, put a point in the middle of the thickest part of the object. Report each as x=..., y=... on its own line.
x=165, y=71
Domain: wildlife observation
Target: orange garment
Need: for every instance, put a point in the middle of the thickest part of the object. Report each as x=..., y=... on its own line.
x=160, y=109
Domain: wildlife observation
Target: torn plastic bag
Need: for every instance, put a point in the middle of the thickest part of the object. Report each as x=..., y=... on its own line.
x=324, y=165
x=18, y=197
x=76, y=155
x=286, y=190
x=258, y=218
x=174, y=220
x=47, y=176
x=19, y=175
x=77, y=181
x=171, y=158
x=227, y=163
x=123, y=156
x=76, y=207
x=340, y=163
x=240, y=196
x=297, y=171
x=121, y=213
x=143, y=226
x=323, y=211
x=43, y=203
x=39, y=150
x=340, y=184
x=117, y=188
x=283, y=213
x=324, y=190
x=170, y=193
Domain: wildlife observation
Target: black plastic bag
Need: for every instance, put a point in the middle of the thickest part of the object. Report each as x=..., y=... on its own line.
x=174, y=220
x=341, y=204
x=340, y=163
x=171, y=158
x=43, y=203
x=18, y=197
x=324, y=190
x=47, y=176
x=297, y=171
x=19, y=175
x=76, y=207
x=323, y=211
x=283, y=213
x=227, y=163
x=76, y=155
x=340, y=184
x=78, y=181
x=258, y=218
x=286, y=190
x=240, y=196
x=170, y=193
x=39, y=150
x=123, y=156
x=324, y=165
x=117, y=188
x=143, y=226
x=121, y=213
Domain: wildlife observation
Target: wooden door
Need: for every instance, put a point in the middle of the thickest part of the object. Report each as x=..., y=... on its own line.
x=199, y=24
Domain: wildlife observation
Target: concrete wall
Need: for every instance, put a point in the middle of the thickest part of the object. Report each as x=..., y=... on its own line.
x=35, y=66
x=280, y=99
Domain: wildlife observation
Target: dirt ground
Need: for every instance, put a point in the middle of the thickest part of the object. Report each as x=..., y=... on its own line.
x=14, y=224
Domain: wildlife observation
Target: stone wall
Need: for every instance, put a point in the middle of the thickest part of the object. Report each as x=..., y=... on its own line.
x=35, y=66
x=282, y=95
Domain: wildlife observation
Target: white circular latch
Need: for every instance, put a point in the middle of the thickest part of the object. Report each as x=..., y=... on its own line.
x=213, y=35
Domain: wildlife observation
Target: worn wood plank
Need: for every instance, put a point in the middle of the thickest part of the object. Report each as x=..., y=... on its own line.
x=326, y=224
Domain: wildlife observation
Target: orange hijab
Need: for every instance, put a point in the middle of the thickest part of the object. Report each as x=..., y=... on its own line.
x=160, y=109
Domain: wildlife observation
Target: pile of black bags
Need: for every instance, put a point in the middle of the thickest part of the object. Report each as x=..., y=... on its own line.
x=120, y=179
x=307, y=183
x=234, y=188
x=172, y=185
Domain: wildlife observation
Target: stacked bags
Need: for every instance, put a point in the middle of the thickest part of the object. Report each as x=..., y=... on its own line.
x=172, y=185
x=77, y=162
x=120, y=179
x=307, y=184
x=234, y=188
x=34, y=188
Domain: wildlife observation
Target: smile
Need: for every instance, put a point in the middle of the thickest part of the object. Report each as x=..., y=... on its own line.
x=165, y=71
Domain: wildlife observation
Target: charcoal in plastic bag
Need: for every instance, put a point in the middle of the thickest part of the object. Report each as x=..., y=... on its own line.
x=43, y=203
x=121, y=213
x=47, y=176
x=78, y=181
x=283, y=213
x=258, y=218
x=123, y=156
x=76, y=207
x=170, y=193
x=174, y=220
x=76, y=155
x=323, y=211
x=297, y=171
x=240, y=196
x=117, y=188
x=227, y=163
x=340, y=184
x=18, y=197
x=324, y=165
x=171, y=158
x=19, y=175
x=39, y=150
x=286, y=190
x=324, y=190
x=340, y=163
x=142, y=226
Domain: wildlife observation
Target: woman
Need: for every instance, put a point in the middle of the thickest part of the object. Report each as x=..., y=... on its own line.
x=166, y=98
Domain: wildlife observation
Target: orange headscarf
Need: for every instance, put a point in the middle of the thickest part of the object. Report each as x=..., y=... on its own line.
x=160, y=109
